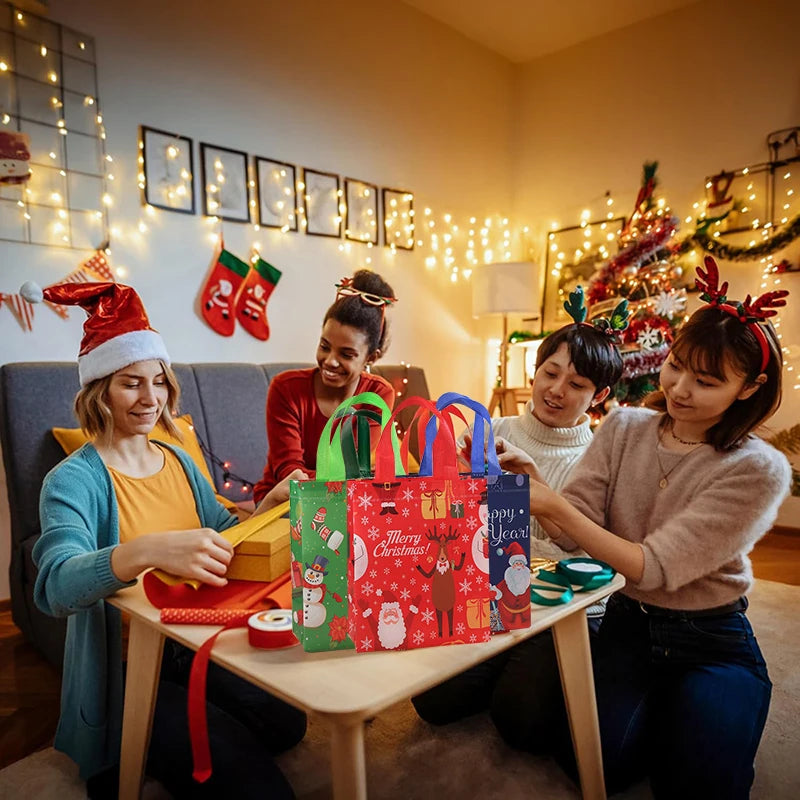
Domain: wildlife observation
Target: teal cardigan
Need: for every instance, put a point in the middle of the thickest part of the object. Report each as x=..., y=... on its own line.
x=80, y=528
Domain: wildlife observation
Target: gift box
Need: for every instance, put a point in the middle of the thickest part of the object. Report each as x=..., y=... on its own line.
x=478, y=612
x=264, y=556
x=434, y=505
x=457, y=509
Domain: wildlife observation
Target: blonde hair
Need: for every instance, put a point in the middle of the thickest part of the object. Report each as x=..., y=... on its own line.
x=95, y=417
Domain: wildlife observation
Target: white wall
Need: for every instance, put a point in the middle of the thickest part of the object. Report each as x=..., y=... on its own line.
x=698, y=90
x=375, y=91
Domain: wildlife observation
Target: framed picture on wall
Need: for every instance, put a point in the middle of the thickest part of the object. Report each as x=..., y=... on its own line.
x=573, y=255
x=225, y=190
x=321, y=198
x=398, y=219
x=277, y=194
x=361, y=211
x=738, y=202
x=168, y=169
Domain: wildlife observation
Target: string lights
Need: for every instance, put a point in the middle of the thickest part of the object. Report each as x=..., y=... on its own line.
x=44, y=213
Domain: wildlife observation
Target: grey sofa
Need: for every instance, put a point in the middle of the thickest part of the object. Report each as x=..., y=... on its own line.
x=226, y=402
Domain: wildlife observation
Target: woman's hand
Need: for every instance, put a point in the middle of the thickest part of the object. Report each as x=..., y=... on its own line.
x=279, y=493
x=201, y=554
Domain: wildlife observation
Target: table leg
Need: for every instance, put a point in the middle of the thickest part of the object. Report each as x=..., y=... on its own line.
x=348, y=765
x=145, y=647
x=571, y=635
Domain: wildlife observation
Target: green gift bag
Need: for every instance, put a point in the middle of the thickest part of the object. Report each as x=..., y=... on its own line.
x=320, y=546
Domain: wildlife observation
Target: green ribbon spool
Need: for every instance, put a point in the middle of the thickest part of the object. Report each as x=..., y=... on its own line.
x=586, y=573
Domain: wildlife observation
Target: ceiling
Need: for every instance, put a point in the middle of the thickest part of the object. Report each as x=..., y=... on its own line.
x=521, y=30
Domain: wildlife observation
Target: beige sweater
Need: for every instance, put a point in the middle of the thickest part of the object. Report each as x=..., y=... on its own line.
x=697, y=532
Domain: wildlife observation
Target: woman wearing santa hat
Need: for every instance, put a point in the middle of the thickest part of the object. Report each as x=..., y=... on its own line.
x=115, y=507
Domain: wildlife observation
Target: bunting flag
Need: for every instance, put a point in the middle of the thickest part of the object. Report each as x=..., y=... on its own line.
x=20, y=308
x=95, y=268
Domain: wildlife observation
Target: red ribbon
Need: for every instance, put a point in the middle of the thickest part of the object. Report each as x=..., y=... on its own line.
x=196, y=706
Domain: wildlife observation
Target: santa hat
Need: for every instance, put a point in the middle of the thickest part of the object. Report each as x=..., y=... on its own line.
x=515, y=553
x=387, y=596
x=116, y=333
x=14, y=146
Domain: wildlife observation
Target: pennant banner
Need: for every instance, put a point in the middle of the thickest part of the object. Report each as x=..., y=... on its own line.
x=93, y=269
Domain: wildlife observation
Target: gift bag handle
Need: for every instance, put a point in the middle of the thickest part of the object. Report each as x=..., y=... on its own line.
x=480, y=466
x=330, y=461
x=445, y=464
x=420, y=415
x=356, y=446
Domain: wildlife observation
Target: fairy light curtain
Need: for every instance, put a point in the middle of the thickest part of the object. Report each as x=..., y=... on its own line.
x=48, y=91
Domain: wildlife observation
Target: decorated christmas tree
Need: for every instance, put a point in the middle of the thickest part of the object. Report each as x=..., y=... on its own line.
x=644, y=271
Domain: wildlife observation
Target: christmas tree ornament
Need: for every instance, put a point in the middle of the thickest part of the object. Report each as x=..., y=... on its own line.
x=251, y=304
x=218, y=298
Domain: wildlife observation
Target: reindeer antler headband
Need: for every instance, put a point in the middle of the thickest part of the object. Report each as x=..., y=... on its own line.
x=611, y=326
x=750, y=312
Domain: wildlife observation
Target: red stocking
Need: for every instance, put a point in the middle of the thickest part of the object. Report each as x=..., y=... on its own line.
x=219, y=294
x=251, y=305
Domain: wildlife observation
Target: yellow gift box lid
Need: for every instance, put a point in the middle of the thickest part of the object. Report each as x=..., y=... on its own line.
x=270, y=527
x=266, y=541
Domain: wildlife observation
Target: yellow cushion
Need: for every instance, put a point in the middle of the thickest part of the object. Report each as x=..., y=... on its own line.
x=71, y=439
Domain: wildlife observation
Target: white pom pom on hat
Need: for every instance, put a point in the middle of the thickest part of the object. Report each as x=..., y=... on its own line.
x=32, y=292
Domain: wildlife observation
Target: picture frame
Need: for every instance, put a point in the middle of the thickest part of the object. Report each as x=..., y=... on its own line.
x=225, y=183
x=398, y=219
x=276, y=194
x=321, y=203
x=744, y=197
x=572, y=263
x=361, y=211
x=168, y=170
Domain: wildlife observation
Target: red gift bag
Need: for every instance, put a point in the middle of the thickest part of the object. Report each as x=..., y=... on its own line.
x=416, y=582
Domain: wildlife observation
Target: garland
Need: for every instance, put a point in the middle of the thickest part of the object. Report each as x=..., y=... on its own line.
x=730, y=252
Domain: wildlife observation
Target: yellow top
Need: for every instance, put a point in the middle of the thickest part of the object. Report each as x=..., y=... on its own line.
x=162, y=501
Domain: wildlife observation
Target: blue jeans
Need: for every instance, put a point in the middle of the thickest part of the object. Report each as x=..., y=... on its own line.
x=246, y=727
x=682, y=699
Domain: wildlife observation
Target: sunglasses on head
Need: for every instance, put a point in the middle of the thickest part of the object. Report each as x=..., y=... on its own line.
x=345, y=289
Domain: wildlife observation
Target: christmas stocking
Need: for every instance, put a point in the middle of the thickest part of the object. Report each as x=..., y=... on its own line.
x=251, y=305
x=219, y=294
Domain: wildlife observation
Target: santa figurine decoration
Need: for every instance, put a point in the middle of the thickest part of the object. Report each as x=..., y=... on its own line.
x=512, y=594
x=15, y=156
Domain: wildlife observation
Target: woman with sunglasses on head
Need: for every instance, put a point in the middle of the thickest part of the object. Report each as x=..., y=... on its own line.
x=674, y=496
x=300, y=401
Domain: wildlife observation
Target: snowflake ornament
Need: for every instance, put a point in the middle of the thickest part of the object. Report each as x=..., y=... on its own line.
x=649, y=338
x=670, y=304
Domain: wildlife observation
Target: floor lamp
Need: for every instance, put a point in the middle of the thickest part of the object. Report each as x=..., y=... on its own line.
x=500, y=289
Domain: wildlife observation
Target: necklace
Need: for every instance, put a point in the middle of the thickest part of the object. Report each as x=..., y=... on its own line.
x=664, y=482
x=684, y=441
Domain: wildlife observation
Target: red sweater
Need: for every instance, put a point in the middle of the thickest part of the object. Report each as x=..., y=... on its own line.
x=295, y=423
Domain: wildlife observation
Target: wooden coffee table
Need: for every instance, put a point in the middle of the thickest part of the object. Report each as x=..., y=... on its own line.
x=366, y=683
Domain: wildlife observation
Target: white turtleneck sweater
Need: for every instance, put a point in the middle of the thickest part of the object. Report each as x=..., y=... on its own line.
x=556, y=451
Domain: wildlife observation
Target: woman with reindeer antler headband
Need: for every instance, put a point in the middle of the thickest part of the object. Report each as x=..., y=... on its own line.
x=300, y=401
x=674, y=496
